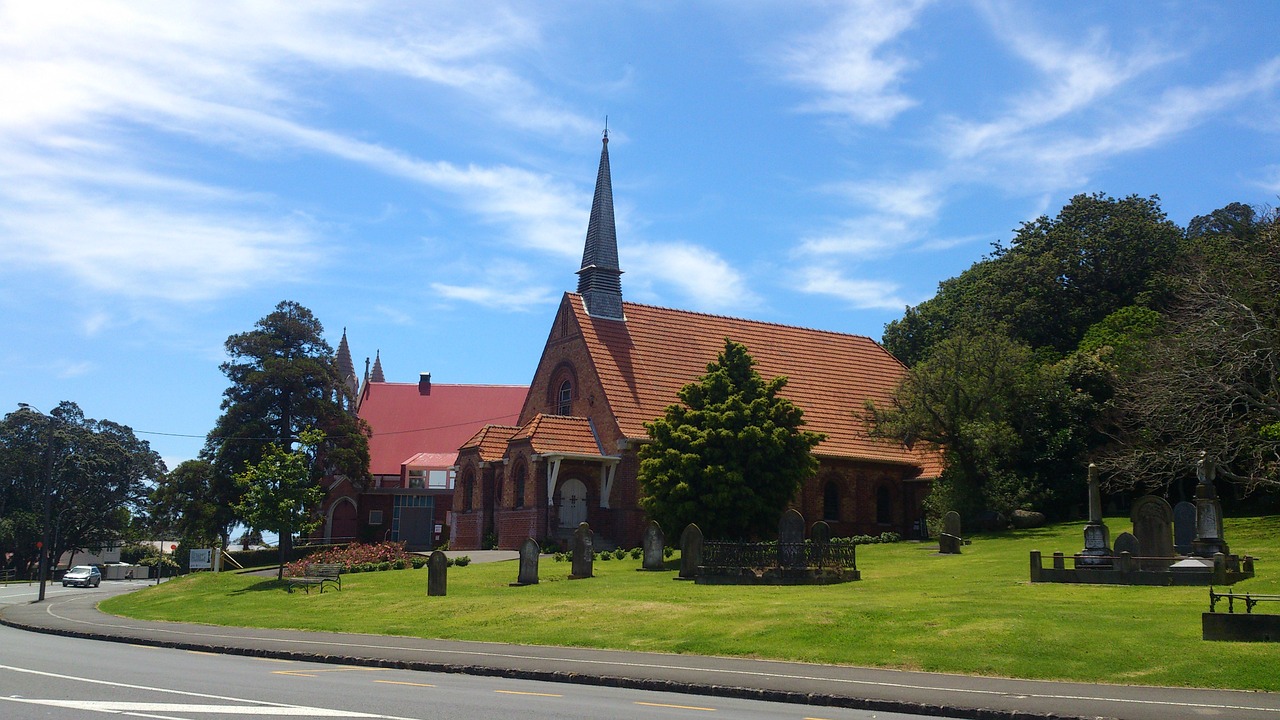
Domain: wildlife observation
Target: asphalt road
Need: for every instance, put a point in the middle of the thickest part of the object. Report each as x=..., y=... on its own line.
x=56, y=678
x=73, y=613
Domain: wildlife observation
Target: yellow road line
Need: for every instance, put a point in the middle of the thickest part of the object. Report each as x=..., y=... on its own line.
x=516, y=692
x=677, y=707
x=397, y=682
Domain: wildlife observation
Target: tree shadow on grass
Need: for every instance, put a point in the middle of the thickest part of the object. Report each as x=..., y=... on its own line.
x=263, y=586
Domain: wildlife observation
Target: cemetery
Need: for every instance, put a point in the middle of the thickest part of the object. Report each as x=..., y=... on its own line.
x=1183, y=545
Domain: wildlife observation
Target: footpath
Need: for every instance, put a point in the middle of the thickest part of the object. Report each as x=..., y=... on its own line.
x=932, y=694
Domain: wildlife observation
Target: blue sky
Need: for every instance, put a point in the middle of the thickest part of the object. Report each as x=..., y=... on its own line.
x=421, y=173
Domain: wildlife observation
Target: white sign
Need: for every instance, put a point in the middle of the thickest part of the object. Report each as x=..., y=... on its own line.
x=201, y=559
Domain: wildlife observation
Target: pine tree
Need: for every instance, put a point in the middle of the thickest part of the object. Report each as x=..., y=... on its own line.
x=730, y=456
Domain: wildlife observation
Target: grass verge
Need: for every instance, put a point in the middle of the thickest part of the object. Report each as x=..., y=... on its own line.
x=974, y=613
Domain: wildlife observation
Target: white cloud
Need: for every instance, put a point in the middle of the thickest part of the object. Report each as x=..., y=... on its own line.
x=848, y=66
x=506, y=285
x=702, y=277
x=861, y=294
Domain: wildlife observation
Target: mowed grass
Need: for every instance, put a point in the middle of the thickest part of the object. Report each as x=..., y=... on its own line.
x=975, y=613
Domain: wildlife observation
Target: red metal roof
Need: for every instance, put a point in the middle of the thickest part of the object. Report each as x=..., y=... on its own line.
x=406, y=422
x=643, y=362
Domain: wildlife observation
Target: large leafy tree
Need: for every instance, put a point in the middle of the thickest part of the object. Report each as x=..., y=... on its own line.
x=283, y=379
x=1055, y=279
x=185, y=502
x=1209, y=379
x=93, y=472
x=730, y=455
x=279, y=493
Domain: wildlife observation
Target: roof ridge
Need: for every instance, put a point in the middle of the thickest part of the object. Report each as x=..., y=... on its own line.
x=770, y=323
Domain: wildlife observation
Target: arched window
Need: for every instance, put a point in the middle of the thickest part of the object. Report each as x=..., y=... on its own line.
x=884, y=505
x=564, y=400
x=518, y=482
x=831, y=501
x=468, y=489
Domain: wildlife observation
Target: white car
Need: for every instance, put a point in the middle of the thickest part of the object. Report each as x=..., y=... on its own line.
x=82, y=576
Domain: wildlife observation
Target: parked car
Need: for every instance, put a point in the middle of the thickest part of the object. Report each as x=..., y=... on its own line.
x=82, y=576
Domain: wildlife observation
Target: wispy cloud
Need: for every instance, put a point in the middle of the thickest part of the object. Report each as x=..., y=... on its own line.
x=506, y=285
x=848, y=65
x=858, y=293
x=701, y=277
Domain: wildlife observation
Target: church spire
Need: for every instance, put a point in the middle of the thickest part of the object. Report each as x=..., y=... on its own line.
x=377, y=368
x=599, y=279
x=347, y=373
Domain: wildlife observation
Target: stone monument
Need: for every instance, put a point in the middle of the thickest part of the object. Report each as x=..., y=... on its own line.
x=584, y=554
x=653, y=543
x=1184, y=527
x=1097, y=539
x=949, y=540
x=1127, y=543
x=1208, y=541
x=1153, y=526
x=529, y=552
x=791, y=539
x=437, y=574
x=690, y=552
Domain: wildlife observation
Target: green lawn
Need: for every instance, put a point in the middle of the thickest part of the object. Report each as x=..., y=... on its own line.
x=973, y=613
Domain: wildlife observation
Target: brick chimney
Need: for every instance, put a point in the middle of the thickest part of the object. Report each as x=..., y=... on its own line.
x=424, y=383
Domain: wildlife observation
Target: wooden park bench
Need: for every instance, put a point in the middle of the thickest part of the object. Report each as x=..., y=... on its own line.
x=318, y=575
x=1249, y=600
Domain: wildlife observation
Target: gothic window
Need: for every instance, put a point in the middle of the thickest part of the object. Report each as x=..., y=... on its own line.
x=831, y=501
x=564, y=400
x=518, y=478
x=884, y=505
x=468, y=489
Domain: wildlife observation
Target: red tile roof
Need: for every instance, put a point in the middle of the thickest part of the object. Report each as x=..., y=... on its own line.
x=406, y=423
x=560, y=434
x=491, y=440
x=643, y=361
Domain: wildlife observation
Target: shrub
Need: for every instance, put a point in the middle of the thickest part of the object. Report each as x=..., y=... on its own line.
x=637, y=553
x=620, y=554
x=490, y=541
x=668, y=551
x=561, y=557
x=362, y=555
x=462, y=560
x=418, y=562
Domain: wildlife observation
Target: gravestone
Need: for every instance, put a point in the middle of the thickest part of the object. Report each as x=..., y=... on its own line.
x=690, y=552
x=653, y=543
x=791, y=539
x=820, y=533
x=1153, y=526
x=1127, y=542
x=584, y=554
x=1208, y=540
x=1184, y=527
x=437, y=574
x=949, y=539
x=1097, y=538
x=529, y=552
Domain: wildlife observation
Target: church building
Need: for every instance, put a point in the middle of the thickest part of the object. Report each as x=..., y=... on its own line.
x=609, y=366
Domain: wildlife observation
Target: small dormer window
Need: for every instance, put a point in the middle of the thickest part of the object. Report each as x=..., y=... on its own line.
x=564, y=403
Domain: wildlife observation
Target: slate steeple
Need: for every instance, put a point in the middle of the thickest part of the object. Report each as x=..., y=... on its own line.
x=347, y=374
x=599, y=279
x=377, y=375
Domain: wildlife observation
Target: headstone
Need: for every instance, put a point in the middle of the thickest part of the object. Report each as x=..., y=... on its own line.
x=653, y=543
x=791, y=539
x=1153, y=526
x=1184, y=527
x=690, y=552
x=1097, y=539
x=951, y=523
x=437, y=574
x=584, y=554
x=529, y=553
x=1128, y=543
x=1208, y=540
x=820, y=533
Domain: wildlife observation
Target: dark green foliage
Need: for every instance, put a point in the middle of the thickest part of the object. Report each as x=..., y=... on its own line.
x=730, y=456
x=98, y=471
x=278, y=493
x=185, y=502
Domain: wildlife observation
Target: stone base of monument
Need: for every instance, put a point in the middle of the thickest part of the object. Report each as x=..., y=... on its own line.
x=1240, y=627
x=1128, y=570
x=775, y=576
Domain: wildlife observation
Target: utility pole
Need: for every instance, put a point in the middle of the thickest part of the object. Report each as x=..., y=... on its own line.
x=43, y=570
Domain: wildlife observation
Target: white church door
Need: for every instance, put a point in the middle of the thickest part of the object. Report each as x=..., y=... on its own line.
x=573, y=503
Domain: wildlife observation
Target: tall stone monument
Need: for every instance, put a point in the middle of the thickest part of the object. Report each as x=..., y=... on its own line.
x=584, y=553
x=690, y=552
x=654, y=541
x=1208, y=540
x=1097, y=539
x=437, y=574
x=529, y=553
